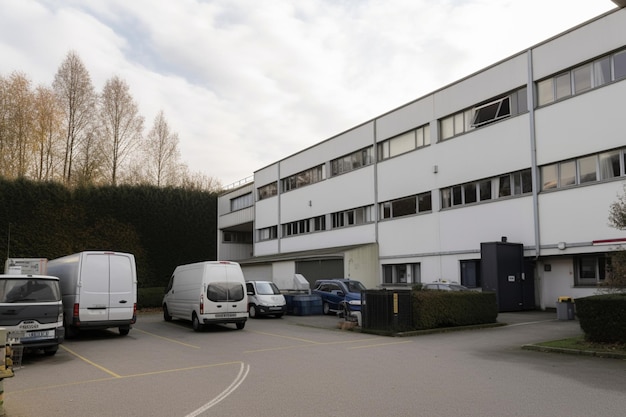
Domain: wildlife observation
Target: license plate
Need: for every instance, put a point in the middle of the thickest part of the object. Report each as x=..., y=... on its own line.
x=225, y=315
x=276, y=308
x=29, y=326
x=38, y=333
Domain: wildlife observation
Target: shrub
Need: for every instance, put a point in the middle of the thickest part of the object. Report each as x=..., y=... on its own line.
x=150, y=297
x=603, y=317
x=434, y=309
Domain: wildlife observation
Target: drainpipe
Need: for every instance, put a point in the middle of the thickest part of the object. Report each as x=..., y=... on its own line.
x=530, y=99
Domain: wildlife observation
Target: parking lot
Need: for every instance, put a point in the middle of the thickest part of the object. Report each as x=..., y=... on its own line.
x=304, y=365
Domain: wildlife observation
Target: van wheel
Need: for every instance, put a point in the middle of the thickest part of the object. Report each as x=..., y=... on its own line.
x=252, y=311
x=166, y=313
x=240, y=325
x=195, y=323
x=326, y=308
x=124, y=330
x=50, y=351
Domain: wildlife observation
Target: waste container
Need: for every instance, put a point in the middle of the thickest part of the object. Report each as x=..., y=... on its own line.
x=565, y=308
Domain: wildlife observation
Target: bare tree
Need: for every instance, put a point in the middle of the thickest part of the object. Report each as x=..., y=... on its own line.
x=121, y=126
x=47, y=133
x=616, y=277
x=73, y=87
x=199, y=181
x=163, y=158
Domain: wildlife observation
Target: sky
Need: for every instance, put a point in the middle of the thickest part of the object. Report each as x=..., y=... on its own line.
x=245, y=83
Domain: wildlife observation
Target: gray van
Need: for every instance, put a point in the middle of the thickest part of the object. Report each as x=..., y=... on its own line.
x=31, y=311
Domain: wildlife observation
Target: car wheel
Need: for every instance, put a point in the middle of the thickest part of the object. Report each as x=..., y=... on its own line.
x=326, y=308
x=124, y=330
x=50, y=351
x=240, y=325
x=252, y=311
x=195, y=323
x=166, y=313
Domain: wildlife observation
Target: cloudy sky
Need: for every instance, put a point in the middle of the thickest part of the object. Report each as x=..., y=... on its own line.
x=245, y=83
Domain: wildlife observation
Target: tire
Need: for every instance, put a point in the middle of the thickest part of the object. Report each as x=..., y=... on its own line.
x=195, y=323
x=240, y=325
x=166, y=313
x=124, y=331
x=252, y=311
x=278, y=315
x=326, y=308
x=51, y=351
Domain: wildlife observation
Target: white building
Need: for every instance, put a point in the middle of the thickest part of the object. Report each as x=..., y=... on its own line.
x=532, y=148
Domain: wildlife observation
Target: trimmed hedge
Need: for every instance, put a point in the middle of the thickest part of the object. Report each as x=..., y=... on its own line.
x=603, y=317
x=435, y=309
x=150, y=297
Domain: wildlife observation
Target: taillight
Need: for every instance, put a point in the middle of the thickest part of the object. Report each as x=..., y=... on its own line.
x=75, y=317
x=201, y=303
x=134, y=313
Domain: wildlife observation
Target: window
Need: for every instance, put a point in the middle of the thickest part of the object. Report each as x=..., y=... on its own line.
x=236, y=237
x=220, y=292
x=351, y=161
x=406, y=206
x=351, y=217
x=268, y=233
x=301, y=179
x=401, y=273
x=503, y=107
x=304, y=226
x=470, y=273
x=582, y=78
x=619, y=65
x=603, y=166
x=404, y=143
x=241, y=202
x=590, y=270
x=267, y=191
x=516, y=183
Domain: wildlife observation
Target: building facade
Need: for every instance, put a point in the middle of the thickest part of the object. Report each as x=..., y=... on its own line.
x=531, y=151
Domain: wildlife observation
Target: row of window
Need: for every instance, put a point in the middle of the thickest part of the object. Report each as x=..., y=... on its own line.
x=598, y=167
x=589, y=270
x=582, y=78
x=355, y=160
x=303, y=178
x=404, y=143
x=516, y=183
x=241, y=202
x=406, y=206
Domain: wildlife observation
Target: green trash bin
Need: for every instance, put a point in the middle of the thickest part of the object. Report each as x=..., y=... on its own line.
x=565, y=308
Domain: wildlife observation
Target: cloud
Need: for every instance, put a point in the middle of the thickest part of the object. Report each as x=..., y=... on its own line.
x=245, y=83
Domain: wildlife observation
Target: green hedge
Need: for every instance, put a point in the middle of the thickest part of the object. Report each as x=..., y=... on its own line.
x=435, y=309
x=603, y=317
x=150, y=297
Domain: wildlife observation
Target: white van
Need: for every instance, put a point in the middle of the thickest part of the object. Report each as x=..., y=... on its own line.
x=265, y=299
x=31, y=311
x=207, y=293
x=99, y=290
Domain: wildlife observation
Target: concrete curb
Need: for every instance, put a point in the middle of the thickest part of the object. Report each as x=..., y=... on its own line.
x=610, y=355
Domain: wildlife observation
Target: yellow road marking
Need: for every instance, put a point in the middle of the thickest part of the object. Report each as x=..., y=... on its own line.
x=288, y=337
x=166, y=338
x=102, y=368
x=69, y=384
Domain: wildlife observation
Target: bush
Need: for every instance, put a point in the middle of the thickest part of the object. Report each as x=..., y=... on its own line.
x=603, y=317
x=150, y=297
x=434, y=309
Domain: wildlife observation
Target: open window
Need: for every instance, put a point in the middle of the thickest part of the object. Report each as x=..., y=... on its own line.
x=491, y=112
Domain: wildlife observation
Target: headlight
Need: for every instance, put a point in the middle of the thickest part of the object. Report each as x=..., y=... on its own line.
x=355, y=302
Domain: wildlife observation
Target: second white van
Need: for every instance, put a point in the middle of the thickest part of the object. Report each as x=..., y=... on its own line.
x=211, y=292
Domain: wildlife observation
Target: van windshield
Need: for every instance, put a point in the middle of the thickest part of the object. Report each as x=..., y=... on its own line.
x=267, y=288
x=28, y=290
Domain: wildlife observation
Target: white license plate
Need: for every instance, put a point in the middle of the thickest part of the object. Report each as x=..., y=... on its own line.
x=38, y=333
x=225, y=315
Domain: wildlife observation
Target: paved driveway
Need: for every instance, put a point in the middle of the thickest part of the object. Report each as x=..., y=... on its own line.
x=305, y=366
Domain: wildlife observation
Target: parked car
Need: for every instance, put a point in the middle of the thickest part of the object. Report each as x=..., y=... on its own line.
x=339, y=295
x=265, y=299
x=444, y=286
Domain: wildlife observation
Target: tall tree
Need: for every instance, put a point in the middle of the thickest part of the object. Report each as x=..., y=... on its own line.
x=163, y=158
x=18, y=119
x=47, y=133
x=73, y=87
x=121, y=126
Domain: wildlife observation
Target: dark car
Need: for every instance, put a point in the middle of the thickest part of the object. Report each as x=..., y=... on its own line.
x=339, y=295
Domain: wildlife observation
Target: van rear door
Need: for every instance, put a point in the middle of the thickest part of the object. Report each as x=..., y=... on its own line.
x=106, y=287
